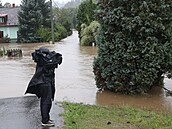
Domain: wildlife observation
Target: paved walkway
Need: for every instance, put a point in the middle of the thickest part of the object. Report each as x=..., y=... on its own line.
x=24, y=113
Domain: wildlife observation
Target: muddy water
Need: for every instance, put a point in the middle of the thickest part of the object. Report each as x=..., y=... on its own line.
x=74, y=78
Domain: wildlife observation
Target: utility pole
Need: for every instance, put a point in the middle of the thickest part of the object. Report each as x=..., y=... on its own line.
x=52, y=21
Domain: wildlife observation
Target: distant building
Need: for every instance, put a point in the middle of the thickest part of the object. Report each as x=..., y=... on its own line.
x=9, y=23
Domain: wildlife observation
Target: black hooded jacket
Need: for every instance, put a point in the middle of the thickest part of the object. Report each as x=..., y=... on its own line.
x=43, y=82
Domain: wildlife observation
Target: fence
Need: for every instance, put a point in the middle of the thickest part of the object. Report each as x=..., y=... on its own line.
x=11, y=52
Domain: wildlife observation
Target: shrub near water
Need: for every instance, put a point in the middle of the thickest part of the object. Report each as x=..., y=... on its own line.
x=89, y=34
x=134, y=44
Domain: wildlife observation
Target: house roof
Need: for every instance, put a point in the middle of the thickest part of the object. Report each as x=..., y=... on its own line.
x=12, y=15
x=3, y=15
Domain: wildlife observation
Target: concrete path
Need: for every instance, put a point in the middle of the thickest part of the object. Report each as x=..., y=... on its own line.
x=24, y=113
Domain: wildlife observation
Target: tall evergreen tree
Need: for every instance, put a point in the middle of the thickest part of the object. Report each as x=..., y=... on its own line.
x=33, y=15
x=45, y=9
x=134, y=45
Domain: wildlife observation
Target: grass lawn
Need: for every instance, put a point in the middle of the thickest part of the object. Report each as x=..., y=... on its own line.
x=79, y=116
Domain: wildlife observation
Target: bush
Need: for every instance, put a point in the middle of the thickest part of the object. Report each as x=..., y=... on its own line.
x=61, y=30
x=89, y=33
x=134, y=44
x=87, y=40
x=45, y=34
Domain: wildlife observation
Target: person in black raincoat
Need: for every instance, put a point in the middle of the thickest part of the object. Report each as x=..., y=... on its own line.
x=42, y=83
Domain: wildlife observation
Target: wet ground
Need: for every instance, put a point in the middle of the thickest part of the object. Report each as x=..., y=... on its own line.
x=24, y=113
x=74, y=78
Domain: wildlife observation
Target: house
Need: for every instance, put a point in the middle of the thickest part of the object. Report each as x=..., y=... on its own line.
x=9, y=23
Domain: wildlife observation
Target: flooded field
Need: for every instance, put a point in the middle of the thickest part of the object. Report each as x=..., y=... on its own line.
x=74, y=77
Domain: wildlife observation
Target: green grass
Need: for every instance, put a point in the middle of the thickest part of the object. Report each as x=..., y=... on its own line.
x=79, y=116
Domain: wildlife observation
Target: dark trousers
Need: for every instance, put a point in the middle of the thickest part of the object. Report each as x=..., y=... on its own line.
x=46, y=95
x=45, y=106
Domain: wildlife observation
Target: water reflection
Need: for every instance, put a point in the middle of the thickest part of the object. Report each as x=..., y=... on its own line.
x=155, y=102
x=74, y=78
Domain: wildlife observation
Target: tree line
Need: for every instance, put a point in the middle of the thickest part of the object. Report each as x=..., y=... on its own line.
x=35, y=22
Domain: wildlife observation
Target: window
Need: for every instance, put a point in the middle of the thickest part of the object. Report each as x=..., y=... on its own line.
x=1, y=34
x=1, y=20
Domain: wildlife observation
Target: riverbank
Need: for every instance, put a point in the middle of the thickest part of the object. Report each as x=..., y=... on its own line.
x=79, y=116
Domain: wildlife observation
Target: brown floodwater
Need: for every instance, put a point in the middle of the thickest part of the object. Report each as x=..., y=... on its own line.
x=74, y=77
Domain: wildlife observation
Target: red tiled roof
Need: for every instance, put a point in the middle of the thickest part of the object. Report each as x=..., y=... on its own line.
x=12, y=15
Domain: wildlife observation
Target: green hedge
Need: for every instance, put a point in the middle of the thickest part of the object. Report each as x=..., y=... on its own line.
x=59, y=33
x=134, y=44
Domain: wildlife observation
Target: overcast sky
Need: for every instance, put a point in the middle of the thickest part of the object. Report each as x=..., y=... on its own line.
x=18, y=2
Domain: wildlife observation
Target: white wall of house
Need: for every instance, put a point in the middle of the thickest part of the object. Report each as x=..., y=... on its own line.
x=11, y=31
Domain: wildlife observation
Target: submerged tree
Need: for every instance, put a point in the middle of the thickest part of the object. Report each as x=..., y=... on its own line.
x=134, y=44
x=33, y=15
